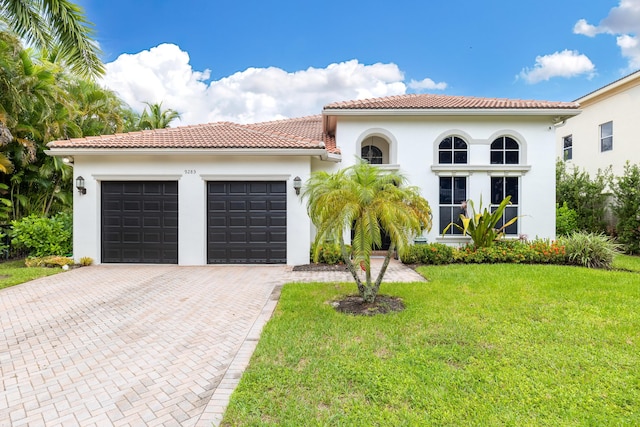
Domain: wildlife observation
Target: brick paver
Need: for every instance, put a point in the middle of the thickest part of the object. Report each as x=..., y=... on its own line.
x=136, y=345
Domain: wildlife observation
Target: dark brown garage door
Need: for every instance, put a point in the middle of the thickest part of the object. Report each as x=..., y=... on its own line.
x=247, y=222
x=140, y=222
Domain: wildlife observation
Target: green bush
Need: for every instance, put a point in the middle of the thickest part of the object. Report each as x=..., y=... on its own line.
x=566, y=220
x=539, y=251
x=44, y=236
x=589, y=249
x=329, y=253
x=626, y=208
x=431, y=253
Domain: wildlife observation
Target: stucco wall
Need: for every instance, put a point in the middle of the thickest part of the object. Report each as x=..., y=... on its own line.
x=621, y=108
x=414, y=142
x=192, y=174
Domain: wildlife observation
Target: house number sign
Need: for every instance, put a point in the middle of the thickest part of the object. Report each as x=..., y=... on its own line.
x=189, y=171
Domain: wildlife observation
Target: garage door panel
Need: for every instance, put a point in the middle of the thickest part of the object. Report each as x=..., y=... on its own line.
x=140, y=222
x=248, y=221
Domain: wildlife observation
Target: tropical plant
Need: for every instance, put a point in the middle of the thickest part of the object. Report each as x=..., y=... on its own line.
x=481, y=225
x=590, y=250
x=55, y=24
x=566, y=220
x=626, y=208
x=44, y=236
x=367, y=200
x=156, y=117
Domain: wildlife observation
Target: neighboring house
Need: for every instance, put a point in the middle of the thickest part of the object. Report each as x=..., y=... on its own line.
x=224, y=192
x=607, y=131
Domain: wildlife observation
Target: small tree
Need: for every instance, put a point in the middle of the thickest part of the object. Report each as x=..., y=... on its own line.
x=626, y=208
x=368, y=200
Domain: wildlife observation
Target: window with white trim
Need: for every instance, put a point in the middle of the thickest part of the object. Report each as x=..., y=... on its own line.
x=501, y=187
x=453, y=192
x=606, y=136
x=567, y=147
x=452, y=150
x=505, y=151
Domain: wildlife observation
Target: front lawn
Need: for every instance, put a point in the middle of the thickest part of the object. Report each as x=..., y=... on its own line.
x=521, y=345
x=15, y=272
x=627, y=262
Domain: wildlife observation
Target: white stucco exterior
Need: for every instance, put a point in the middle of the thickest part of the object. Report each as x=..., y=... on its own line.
x=619, y=103
x=192, y=173
x=413, y=147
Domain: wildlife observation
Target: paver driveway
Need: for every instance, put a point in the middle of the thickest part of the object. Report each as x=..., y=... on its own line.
x=128, y=345
x=137, y=345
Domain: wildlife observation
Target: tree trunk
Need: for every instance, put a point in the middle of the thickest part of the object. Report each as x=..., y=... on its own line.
x=351, y=267
x=383, y=270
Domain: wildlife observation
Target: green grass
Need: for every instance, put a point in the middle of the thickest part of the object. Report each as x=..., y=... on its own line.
x=626, y=262
x=15, y=272
x=478, y=345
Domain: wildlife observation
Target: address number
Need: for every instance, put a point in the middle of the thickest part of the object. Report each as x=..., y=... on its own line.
x=189, y=171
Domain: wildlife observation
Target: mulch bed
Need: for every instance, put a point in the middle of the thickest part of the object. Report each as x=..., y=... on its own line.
x=353, y=304
x=320, y=267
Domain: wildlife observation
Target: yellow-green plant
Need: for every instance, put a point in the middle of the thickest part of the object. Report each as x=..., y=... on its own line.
x=481, y=224
x=86, y=261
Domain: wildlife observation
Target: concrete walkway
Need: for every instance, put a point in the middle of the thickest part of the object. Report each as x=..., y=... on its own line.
x=136, y=345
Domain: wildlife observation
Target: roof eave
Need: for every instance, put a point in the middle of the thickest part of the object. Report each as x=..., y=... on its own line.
x=552, y=112
x=67, y=151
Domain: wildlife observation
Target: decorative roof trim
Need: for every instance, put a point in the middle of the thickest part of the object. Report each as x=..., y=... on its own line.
x=186, y=151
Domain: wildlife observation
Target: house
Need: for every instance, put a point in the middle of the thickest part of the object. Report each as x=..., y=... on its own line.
x=224, y=192
x=606, y=132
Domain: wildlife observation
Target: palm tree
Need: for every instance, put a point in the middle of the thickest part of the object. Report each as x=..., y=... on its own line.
x=368, y=200
x=156, y=117
x=55, y=24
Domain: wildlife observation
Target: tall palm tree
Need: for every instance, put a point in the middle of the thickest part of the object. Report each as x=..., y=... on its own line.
x=59, y=24
x=156, y=117
x=368, y=200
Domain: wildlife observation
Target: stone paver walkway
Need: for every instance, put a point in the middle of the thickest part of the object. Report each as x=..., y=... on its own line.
x=137, y=345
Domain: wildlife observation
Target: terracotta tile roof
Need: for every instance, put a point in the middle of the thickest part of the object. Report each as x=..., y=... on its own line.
x=212, y=135
x=309, y=127
x=430, y=101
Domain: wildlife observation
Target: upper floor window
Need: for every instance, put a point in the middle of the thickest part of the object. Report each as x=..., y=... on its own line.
x=505, y=151
x=452, y=149
x=371, y=154
x=567, y=147
x=606, y=136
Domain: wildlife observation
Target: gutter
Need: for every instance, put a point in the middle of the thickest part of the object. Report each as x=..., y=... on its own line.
x=186, y=152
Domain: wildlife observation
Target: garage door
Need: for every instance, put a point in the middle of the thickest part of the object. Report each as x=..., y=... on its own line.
x=247, y=222
x=140, y=222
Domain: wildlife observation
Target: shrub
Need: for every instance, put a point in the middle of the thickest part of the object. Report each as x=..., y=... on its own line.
x=49, y=261
x=431, y=253
x=86, y=261
x=566, y=220
x=44, y=236
x=589, y=249
x=626, y=208
x=513, y=251
x=328, y=253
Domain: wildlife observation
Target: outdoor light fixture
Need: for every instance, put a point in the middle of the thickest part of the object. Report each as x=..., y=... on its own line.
x=80, y=185
x=297, y=184
x=67, y=160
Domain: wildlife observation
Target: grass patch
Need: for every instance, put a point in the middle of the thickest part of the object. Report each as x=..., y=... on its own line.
x=15, y=272
x=477, y=345
x=626, y=262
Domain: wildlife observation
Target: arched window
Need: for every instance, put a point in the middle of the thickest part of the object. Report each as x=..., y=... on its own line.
x=452, y=150
x=505, y=151
x=371, y=154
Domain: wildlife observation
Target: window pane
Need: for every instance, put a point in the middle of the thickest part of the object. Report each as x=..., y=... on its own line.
x=460, y=191
x=498, y=144
x=496, y=158
x=511, y=188
x=568, y=154
x=497, y=190
x=459, y=144
x=460, y=157
x=568, y=141
x=445, y=144
x=606, y=129
x=606, y=144
x=511, y=144
x=509, y=213
x=512, y=157
x=445, y=218
x=444, y=157
x=445, y=191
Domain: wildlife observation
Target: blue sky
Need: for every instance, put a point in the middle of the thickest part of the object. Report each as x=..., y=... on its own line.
x=247, y=61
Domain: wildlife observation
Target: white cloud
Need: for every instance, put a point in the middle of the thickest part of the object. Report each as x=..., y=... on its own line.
x=426, y=84
x=622, y=21
x=568, y=63
x=164, y=74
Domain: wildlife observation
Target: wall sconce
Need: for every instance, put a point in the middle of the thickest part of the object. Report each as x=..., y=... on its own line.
x=297, y=184
x=67, y=160
x=80, y=185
